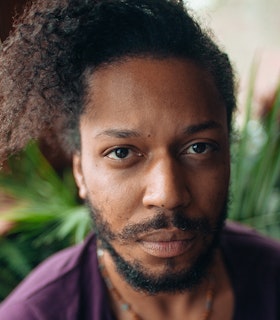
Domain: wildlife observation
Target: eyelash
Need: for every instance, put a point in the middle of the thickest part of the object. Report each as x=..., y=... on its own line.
x=209, y=147
x=128, y=149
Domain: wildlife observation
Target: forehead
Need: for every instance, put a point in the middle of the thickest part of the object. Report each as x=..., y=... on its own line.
x=135, y=89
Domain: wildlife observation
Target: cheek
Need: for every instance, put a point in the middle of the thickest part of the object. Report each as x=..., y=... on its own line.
x=115, y=196
x=210, y=190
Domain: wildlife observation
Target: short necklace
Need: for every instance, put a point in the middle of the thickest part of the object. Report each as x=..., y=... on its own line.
x=125, y=307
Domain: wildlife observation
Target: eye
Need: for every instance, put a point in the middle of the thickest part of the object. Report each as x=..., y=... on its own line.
x=121, y=153
x=201, y=148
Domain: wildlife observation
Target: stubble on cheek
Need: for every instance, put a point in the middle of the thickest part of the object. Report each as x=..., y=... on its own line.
x=101, y=227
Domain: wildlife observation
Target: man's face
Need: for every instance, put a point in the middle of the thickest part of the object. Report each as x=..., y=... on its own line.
x=154, y=168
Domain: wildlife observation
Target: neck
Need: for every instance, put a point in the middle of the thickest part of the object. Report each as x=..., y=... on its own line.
x=163, y=306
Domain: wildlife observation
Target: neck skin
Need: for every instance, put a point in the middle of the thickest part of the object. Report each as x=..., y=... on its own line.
x=175, y=306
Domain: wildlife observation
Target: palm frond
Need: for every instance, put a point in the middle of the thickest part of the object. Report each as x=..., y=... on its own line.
x=255, y=184
x=46, y=215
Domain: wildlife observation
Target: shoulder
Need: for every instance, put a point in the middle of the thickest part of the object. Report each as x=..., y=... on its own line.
x=55, y=280
x=238, y=234
x=241, y=242
x=17, y=311
x=253, y=264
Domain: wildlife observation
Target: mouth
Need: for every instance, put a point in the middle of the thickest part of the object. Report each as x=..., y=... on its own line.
x=165, y=244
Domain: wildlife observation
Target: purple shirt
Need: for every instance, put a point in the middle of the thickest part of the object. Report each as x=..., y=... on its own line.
x=68, y=286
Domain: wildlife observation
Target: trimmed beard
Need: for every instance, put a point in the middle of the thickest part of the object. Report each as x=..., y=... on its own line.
x=139, y=277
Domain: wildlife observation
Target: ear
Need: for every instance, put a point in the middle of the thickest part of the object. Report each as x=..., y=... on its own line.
x=78, y=175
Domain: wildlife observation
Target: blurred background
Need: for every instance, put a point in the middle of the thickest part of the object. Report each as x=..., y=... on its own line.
x=40, y=212
x=248, y=30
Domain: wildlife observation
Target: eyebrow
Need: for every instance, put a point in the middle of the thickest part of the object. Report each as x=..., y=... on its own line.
x=120, y=133
x=192, y=129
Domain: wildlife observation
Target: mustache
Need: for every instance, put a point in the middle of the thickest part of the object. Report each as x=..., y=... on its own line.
x=166, y=221
x=161, y=220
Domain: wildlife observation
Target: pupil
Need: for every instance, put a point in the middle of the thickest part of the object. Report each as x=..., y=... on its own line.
x=199, y=147
x=121, y=152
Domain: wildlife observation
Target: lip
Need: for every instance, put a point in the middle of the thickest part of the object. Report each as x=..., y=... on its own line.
x=167, y=235
x=167, y=244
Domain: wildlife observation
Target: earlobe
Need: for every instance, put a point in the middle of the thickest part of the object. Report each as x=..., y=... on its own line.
x=78, y=175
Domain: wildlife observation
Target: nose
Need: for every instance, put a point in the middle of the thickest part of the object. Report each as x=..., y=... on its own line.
x=166, y=185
